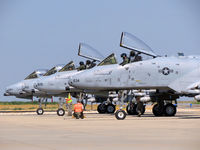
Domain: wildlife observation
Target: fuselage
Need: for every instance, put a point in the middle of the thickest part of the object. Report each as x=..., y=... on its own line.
x=158, y=73
x=57, y=83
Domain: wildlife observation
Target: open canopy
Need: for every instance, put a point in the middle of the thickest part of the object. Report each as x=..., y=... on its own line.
x=109, y=60
x=89, y=52
x=68, y=67
x=133, y=43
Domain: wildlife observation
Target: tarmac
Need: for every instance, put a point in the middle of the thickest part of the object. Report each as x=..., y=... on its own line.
x=28, y=131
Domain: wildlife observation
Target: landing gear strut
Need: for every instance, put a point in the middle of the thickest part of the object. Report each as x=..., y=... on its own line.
x=121, y=114
x=40, y=110
x=61, y=111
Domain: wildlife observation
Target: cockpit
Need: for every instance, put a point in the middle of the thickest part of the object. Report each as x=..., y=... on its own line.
x=109, y=60
x=53, y=70
x=36, y=74
x=69, y=67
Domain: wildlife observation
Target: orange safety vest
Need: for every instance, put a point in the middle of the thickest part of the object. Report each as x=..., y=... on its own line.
x=78, y=107
x=69, y=99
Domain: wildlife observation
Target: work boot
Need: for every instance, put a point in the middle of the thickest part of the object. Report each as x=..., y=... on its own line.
x=139, y=114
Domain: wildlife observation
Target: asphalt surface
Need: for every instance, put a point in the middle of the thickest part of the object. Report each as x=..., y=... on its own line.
x=28, y=131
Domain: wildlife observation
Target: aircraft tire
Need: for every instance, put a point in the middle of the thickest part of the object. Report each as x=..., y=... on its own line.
x=133, y=110
x=157, y=111
x=169, y=110
x=40, y=111
x=120, y=114
x=110, y=108
x=101, y=108
x=60, y=112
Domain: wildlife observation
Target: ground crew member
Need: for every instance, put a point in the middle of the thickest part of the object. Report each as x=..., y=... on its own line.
x=78, y=110
x=125, y=59
x=69, y=104
x=82, y=66
x=139, y=108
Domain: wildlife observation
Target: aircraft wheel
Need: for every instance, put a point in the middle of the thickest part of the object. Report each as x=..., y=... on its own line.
x=120, y=114
x=101, y=108
x=131, y=109
x=40, y=111
x=157, y=111
x=170, y=110
x=110, y=108
x=60, y=112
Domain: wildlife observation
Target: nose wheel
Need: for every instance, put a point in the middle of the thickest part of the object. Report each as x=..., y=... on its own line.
x=60, y=112
x=120, y=114
x=40, y=111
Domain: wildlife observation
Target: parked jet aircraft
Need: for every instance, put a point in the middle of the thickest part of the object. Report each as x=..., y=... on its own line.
x=25, y=88
x=171, y=77
x=58, y=83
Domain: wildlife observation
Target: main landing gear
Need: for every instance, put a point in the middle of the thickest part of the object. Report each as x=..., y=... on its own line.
x=161, y=109
x=106, y=108
x=131, y=109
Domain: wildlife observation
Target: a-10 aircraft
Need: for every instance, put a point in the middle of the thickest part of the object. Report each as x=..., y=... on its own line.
x=25, y=88
x=58, y=83
x=169, y=77
x=55, y=83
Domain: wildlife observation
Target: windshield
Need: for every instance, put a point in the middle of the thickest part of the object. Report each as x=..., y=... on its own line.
x=109, y=60
x=32, y=76
x=70, y=66
x=51, y=71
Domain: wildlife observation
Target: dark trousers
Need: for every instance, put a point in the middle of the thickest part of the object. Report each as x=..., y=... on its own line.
x=78, y=115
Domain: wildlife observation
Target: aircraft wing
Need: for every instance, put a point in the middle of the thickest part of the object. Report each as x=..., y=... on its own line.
x=133, y=43
x=187, y=84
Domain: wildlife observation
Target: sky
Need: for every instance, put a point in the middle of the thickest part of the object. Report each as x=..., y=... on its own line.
x=38, y=34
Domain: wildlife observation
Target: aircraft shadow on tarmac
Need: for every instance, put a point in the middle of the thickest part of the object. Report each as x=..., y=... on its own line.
x=179, y=116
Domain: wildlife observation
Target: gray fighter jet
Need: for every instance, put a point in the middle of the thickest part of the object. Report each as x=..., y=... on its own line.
x=169, y=77
x=25, y=88
x=58, y=83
